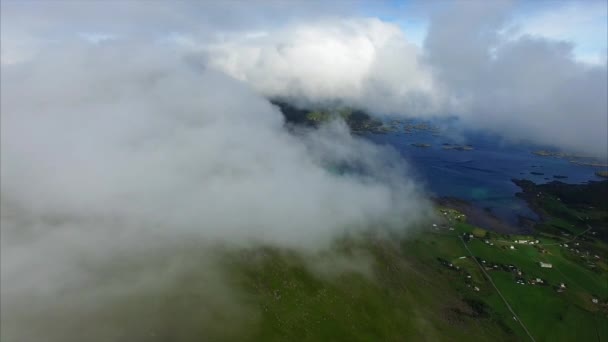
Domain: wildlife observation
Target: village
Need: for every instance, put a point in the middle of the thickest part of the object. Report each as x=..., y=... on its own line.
x=525, y=258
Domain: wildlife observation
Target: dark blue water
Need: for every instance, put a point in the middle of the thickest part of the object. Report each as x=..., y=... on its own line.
x=482, y=175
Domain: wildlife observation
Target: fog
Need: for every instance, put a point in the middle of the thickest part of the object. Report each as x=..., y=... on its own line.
x=529, y=88
x=121, y=153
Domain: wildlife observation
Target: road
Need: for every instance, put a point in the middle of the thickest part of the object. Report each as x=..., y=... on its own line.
x=497, y=290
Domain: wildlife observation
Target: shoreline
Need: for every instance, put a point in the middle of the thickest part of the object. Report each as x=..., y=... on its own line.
x=484, y=218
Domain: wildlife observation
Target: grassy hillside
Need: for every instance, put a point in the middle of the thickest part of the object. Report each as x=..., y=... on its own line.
x=448, y=281
x=414, y=293
x=357, y=120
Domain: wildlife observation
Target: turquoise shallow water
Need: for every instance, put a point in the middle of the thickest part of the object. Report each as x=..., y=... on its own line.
x=482, y=175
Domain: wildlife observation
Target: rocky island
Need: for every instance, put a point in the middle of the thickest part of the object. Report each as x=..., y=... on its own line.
x=602, y=174
x=421, y=145
x=458, y=147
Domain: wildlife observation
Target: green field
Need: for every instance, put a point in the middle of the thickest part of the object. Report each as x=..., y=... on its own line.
x=421, y=286
x=409, y=294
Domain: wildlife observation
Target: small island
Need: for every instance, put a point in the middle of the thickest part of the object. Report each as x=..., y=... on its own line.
x=421, y=145
x=589, y=163
x=573, y=158
x=458, y=147
x=602, y=174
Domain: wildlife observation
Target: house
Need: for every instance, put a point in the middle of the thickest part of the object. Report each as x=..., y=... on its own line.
x=511, y=247
x=545, y=265
x=594, y=300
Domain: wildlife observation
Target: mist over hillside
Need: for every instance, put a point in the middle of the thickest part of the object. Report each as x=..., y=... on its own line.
x=104, y=158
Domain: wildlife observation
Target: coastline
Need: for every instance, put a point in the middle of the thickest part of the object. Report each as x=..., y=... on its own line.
x=485, y=218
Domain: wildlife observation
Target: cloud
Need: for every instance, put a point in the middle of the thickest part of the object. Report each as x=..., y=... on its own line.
x=365, y=62
x=581, y=24
x=529, y=88
x=30, y=27
x=521, y=83
x=117, y=151
x=98, y=130
x=524, y=88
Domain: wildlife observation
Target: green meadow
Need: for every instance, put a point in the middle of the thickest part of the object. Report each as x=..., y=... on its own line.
x=408, y=294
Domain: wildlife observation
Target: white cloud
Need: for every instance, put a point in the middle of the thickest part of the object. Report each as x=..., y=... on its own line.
x=121, y=147
x=365, y=62
x=581, y=23
x=529, y=88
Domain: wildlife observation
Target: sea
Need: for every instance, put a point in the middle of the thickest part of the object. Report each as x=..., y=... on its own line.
x=483, y=174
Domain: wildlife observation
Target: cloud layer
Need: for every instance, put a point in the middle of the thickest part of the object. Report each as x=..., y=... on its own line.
x=363, y=62
x=529, y=88
x=525, y=89
x=473, y=64
x=120, y=149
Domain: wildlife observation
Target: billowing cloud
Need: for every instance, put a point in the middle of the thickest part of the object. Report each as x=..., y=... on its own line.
x=115, y=125
x=529, y=88
x=122, y=149
x=525, y=88
x=364, y=62
x=473, y=64
x=581, y=23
